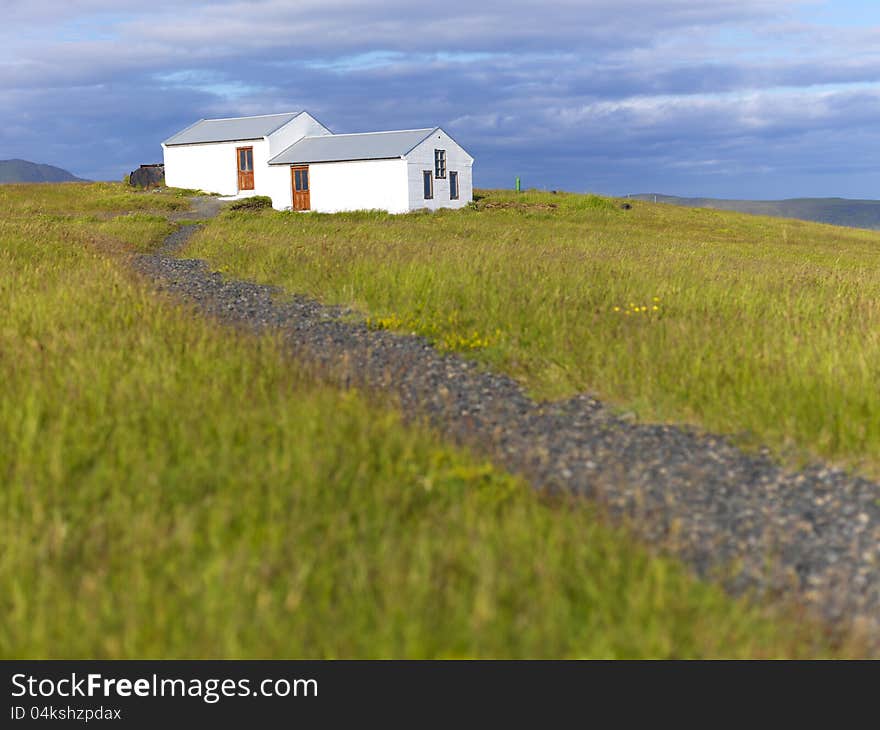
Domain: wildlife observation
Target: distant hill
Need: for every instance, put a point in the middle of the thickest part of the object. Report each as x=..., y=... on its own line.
x=22, y=171
x=837, y=211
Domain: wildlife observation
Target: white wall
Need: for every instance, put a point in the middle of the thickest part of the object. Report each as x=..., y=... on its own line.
x=457, y=160
x=361, y=185
x=278, y=186
x=214, y=168
x=303, y=125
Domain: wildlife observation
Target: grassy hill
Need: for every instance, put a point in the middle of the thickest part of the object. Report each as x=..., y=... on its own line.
x=836, y=211
x=174, y=489
x=762, y=328
x=22, y=171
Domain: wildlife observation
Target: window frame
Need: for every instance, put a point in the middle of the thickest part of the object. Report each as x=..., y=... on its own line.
x=301, y=174
x=457, y=185
x=427, y=182
x=245, y=159
x=439, y=164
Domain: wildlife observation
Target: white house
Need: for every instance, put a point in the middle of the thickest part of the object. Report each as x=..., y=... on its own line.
x=302, y=165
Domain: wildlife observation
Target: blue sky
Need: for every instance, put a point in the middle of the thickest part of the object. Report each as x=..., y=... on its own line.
x=728, y=98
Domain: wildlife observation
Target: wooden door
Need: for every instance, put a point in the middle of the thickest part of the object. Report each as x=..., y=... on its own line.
x=245, y=160
x=299, y=178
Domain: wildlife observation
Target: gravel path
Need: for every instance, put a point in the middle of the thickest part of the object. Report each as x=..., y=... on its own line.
x=812, y=535
x=200, y=208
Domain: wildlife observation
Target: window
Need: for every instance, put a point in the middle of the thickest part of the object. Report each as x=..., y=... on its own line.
x=246, y=159
x=428, y=183
x=440, y=164
x=301, y=180
x=453, y=186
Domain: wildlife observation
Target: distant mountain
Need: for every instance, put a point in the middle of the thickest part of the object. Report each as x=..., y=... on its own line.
x=837, y=211
x=22, y=171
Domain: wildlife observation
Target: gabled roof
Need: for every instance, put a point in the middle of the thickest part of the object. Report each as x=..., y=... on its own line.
x=231, y=129
x=343, y=147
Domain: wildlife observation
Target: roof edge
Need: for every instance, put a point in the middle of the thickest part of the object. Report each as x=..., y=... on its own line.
x=448, y=135
x=251, y=116
x=296, y=115
x=429, y=131
x=329, y=162
x=283, y=124
x=386, y=131
x=185, y=129
x=421, y=140
x=271, y=160
x=216, y=141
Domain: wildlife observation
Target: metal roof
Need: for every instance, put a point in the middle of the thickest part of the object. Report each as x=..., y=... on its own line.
x=342, y=147
x=231, y=129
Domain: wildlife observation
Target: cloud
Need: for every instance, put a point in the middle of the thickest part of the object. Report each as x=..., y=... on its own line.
x=747, y=95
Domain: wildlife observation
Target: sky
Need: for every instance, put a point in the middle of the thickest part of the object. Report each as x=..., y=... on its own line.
x=722, y=98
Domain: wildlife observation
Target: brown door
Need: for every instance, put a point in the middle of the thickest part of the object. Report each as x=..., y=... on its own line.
x=300, y=181
x=245, y=160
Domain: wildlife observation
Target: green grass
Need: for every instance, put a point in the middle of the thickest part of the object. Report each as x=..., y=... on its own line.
x=97, y=199
x=765, y=329
x=837, y=211
x=173, y=489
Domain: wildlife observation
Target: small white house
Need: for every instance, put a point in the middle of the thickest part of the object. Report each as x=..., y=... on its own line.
x=302, y=165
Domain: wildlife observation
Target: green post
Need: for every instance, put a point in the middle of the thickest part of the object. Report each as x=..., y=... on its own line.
x=518, y=186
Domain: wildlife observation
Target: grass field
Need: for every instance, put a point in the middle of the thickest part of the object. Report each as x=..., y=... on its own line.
x=765, y=329
x=171, y=489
